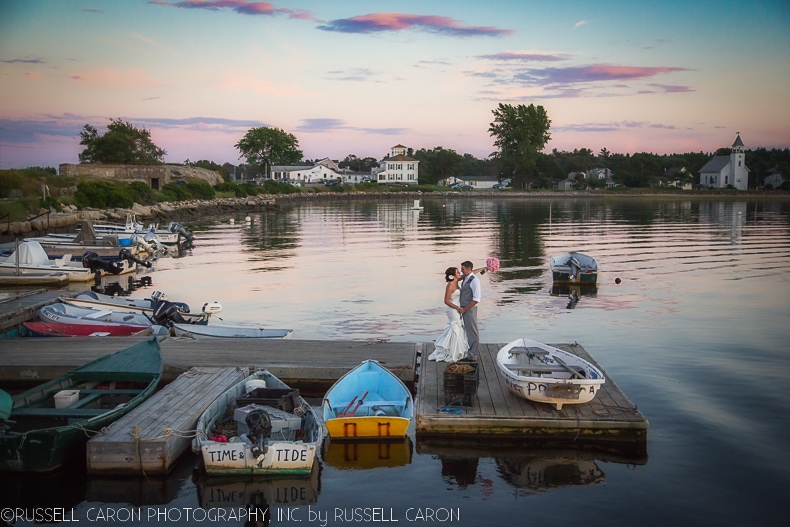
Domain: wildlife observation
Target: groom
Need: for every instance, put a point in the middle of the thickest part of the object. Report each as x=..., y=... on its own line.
x=470, y=296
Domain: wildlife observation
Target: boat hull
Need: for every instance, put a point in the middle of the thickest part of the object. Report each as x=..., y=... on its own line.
x=42, y=434
x=220, y=332
x=545, y=374
x=368, y=402
x=574, y=268
x=56, y=329
x=235, y=457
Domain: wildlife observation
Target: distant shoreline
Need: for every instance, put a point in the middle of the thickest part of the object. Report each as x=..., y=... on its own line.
x=177, y=211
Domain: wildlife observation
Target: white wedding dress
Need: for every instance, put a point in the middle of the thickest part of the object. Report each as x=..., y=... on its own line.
x=451, y=344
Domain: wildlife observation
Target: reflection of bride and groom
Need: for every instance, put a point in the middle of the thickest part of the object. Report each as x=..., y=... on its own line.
x=460, y=338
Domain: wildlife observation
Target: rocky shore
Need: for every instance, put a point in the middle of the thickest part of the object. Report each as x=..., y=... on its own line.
x=183, y=210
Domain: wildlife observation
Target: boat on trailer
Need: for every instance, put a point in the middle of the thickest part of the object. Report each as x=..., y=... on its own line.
x=545, y=374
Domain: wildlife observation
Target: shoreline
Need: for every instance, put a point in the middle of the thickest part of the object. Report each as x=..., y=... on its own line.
x=175, y=211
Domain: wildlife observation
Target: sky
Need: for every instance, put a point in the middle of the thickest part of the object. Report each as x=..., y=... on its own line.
x=359, y=77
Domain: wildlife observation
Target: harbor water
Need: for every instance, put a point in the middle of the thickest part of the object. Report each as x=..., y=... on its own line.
x=690, y=318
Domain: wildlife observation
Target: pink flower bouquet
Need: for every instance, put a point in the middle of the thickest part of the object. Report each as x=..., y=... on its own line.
x=492, y=264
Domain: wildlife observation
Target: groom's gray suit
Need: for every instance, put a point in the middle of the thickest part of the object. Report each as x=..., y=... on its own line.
x=470, y=317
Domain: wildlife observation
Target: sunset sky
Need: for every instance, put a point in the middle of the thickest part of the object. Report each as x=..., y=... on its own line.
x=358, y=77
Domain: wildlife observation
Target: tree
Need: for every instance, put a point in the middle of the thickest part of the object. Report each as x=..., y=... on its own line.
x=122, y=144
x=521, y=133
x=264, y=147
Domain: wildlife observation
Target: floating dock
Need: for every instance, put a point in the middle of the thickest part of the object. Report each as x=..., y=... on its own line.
x=150, y=439
x=497, y=413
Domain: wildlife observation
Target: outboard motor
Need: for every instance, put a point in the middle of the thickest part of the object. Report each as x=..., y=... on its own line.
x=94, y=262
x=177, y=228
x=165, y=313
x=128, y=256
x=260, y=429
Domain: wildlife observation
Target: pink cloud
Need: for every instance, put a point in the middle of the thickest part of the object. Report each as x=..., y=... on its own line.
x=593, y=73
x=378, y=22
x=239, y=6
x=104, y=76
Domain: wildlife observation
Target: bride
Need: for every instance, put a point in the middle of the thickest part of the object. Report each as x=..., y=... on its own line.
x=451, y=345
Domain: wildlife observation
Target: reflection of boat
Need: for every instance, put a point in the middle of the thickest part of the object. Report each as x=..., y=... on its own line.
x=360, y=455
x=574, y=292
x=368, y=401
x=62, y=489
x=49, y=424
x=573, y=268
x=229, y=332
x=546, y=374
x=254, y=430
x=213, y=492
x=550, y=469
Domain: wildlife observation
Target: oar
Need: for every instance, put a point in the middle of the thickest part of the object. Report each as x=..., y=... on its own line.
x=343, y=413
x=358, y=405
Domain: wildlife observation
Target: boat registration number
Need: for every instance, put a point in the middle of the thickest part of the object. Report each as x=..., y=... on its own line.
x=563, y=391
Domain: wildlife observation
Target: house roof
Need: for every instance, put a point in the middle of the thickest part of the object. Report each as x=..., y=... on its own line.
x=400, y=157
x=481, y=178
x=716, y=164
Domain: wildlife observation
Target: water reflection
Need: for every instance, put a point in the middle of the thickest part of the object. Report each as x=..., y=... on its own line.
x=141, y=490
x=530, y=467
x=363, y=455
x=573, y=293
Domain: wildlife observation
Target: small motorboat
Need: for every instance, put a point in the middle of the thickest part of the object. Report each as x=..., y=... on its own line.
x=259, y=426
x=96, y=300
x=49, y=425
x=68, y=313
x=228, y=332
x=30, y=259
x=574, y=268
x=368, y=402
x=64, y=329
x=545, y=374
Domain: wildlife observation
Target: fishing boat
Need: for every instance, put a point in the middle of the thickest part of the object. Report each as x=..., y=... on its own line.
x=64, y=329
x=30, y=259
x=86, y=240
x=259, y=426
x=50, y=424
x=228, y=332
x=573, y=268
x=545, y=374
x=368, y=401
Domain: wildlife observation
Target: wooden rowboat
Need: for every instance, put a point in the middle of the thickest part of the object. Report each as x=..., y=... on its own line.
x=51, y=423
x=259, y=426
x=546, y=374
x=368, y=402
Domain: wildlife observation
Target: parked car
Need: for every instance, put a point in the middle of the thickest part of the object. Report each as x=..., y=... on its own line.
x=331, y=183
x=464, y=186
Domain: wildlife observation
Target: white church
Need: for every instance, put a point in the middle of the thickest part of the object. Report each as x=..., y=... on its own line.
x=723, y=171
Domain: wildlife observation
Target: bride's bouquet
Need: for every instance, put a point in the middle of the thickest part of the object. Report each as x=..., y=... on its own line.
x=492, y=264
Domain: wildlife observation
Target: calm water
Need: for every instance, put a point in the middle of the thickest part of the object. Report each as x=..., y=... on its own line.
x=696, y=334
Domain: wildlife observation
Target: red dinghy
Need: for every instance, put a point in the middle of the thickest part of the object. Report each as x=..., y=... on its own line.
x=61, y=329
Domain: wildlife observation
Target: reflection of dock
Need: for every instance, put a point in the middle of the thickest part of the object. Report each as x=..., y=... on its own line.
x=496, y=412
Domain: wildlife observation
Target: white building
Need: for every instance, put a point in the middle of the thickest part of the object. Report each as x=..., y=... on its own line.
x=397, y=168
x=723, y=171
x=318, y=172
x=774, y=179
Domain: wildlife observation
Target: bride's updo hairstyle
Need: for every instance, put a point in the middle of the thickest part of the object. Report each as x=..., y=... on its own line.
x=449, y=274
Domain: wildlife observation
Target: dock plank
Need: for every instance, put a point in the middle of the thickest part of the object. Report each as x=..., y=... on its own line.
x=610, y=416
x=151, y=438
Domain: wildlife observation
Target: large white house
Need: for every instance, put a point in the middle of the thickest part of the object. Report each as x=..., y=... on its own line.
x=397, y=168
x=723, y=171
x=318, y=172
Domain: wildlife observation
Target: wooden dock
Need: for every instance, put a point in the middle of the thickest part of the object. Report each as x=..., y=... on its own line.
x=312, y=365
x=21, y=306
x=497, y=413
x=150, y=439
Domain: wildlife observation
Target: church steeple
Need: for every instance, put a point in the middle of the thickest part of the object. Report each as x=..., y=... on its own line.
x=737, y=146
